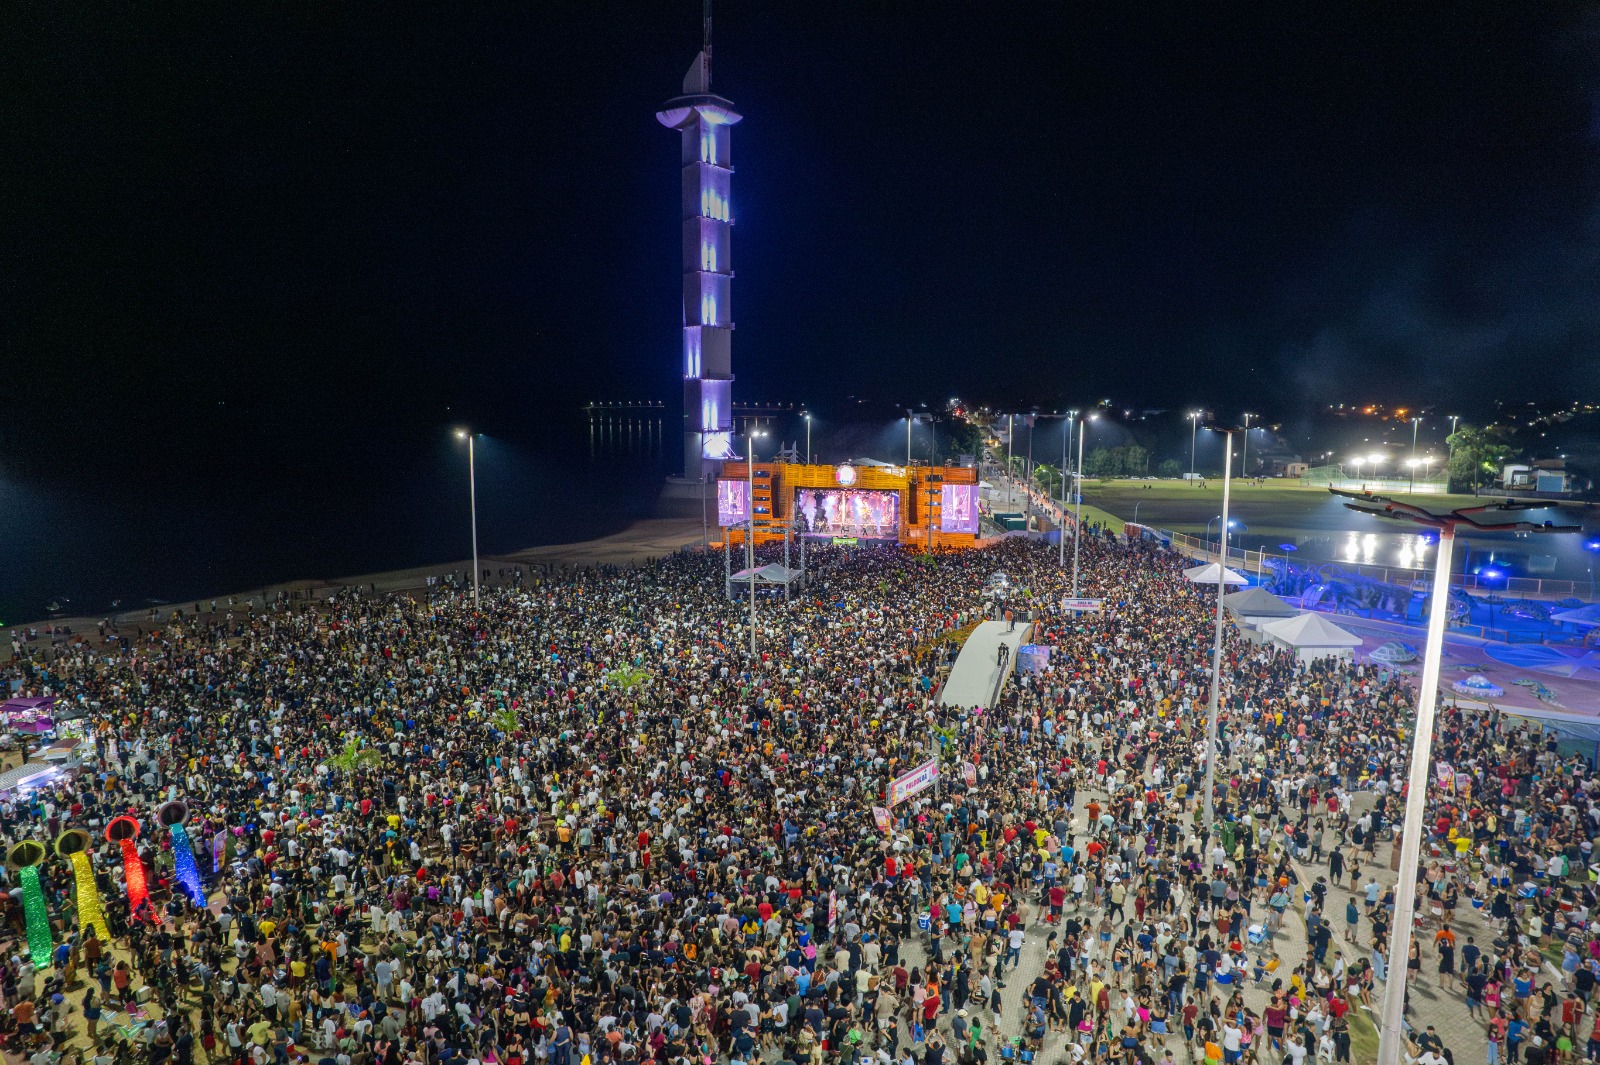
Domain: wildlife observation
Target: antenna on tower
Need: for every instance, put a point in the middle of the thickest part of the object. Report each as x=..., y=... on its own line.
x=705, y=47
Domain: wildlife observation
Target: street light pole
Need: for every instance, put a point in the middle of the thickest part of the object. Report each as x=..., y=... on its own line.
x=808, y=437
x=750, y=545
x=1011, y=498
x=1244, y=450
x=1216, y=645
x=1194, y=432
x=1061, y=538
x=1077, y=531
x=1391, y=1034
x=1450, y=449
x=1027, y=477
x=472, y=495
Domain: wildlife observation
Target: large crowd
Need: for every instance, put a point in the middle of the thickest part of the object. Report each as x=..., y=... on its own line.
x=582, y=825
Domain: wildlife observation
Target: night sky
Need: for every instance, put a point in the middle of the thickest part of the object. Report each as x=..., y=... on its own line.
x=257, y=258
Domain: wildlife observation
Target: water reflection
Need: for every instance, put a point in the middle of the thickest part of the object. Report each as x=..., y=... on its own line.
x=1415, y=551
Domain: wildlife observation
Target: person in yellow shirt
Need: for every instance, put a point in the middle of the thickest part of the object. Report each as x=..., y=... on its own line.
x=980, y=893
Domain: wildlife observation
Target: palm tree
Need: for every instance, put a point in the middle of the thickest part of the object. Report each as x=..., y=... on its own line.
x=626, y=678
x=504, y=720
x=353, y=757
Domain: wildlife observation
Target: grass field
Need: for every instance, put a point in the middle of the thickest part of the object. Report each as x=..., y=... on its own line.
x=1275, y=509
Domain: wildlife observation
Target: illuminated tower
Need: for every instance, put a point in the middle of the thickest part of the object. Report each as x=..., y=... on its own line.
x=706, y=122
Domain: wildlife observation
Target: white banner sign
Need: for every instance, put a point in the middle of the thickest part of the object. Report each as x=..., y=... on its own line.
x=919, y=779
x=1081, y=604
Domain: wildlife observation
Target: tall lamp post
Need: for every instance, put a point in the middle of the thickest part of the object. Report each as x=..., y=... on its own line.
x=472, y=494
x=1061, y=540
x=1010, y=435
x=1591, y=546
x=1231, y=524
x=1244, y=449
x=750, y=541
x=807, y=417
x=1450, y=449
x=1194, y=432
x=933, y=445
x=1216, y=643
x=1391, y=1034
x=1077, y=488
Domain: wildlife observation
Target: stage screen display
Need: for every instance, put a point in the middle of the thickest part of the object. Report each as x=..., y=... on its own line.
x=958, y=508
x=872, y=513
x=733, y=502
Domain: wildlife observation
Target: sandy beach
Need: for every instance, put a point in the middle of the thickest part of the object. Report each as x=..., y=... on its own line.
x=641, y=541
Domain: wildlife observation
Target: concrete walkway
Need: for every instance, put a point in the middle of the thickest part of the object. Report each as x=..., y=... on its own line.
x=972, y=679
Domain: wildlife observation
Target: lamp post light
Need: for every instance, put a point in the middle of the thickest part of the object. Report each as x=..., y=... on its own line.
x=1061, y=539
x=1415, y=422
x=472, y=495
x=1231, y=524
x=1391, y=1032
x=1411, y=465
x=1011, y=489
x=1216, y=646
x=1077, y=488
x=1194, y=430
x=1450, y=449
x=1357, y=460
x=750, y=541
x=1244, y=450
x=1592, y=546
x=807, y=417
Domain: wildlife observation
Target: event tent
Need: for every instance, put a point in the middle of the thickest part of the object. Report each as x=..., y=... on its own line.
x=1207, y=574
x=1311, y=636
x=1254, y=607
x=1587, y=616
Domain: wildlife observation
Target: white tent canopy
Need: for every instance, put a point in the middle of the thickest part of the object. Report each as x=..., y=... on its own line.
x=1588, y=616
x=774, y=574
x=1207, y=574
x=1252, y=608
x=1257, y=603
x=1311, y=636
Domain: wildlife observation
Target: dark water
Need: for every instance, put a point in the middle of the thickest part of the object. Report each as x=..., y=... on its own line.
x=1547, y=557
x=151, y=537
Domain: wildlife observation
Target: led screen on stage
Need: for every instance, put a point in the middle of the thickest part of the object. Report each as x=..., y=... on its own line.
x=733, y=503
x=848, y=512
x=958, y=508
